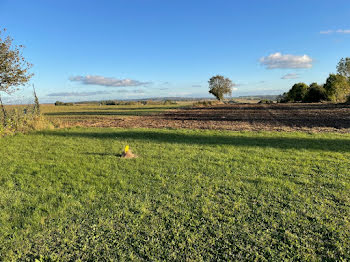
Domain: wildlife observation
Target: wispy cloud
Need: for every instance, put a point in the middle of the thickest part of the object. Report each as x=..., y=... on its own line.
x=339, y=31
x=106, y=81
x=290, y=76
x=343, y=31
x=69, y=94
x=137, y=91
x=196, y=86
x=279, y=60
x=326, y=32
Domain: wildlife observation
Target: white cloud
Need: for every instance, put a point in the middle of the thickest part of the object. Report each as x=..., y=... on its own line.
x=79, y=93
x=106, y=81
x=343, y=31
x=339, y=31
x=234, y=88
x=290, y=76
x=278, y=60
x=136, y=91
x=326, y=32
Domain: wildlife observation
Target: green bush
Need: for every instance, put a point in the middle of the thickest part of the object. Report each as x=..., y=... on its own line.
x=315, y=93
x=337, y=88
x=297, y=92
x=22, y=119
x=283, y=98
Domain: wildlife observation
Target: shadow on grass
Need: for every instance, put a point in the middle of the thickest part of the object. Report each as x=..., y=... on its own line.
x=325, y=144
x=102, y=154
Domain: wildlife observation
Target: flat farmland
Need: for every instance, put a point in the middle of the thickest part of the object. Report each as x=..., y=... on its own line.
x=255, y=117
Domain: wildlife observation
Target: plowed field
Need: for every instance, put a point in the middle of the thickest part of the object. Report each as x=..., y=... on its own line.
x=280, y=117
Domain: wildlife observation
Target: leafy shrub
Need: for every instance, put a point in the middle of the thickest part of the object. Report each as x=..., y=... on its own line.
x=283, y=98
x=316, y=93
x=297, y=92
x=337, y=88
x=22, y=119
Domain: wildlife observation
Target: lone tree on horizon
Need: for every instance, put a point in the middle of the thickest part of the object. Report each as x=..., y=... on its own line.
x=14, y=69
x=220, y=86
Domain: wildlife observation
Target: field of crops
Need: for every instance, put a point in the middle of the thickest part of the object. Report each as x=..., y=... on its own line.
x=194, y=195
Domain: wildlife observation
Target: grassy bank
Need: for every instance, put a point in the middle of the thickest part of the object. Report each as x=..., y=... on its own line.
x=191, y=195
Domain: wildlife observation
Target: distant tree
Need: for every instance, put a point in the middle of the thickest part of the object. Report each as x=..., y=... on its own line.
x=343, y=67
x=36, y=109
x=220, y=86
x=59, y=103
x=14, y=69
x=337, y=88
x=297, y=92
x=316, y=93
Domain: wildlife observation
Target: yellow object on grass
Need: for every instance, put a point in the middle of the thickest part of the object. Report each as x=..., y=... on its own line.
x=126, y=149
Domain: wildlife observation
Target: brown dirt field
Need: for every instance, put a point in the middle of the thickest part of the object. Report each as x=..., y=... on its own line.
x=274, y=117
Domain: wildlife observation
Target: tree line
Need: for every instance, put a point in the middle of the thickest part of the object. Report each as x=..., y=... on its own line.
x=335, y=89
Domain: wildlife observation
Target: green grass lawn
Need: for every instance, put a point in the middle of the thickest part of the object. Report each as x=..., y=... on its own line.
x=190, y=195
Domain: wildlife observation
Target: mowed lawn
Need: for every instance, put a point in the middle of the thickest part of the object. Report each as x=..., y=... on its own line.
x=190, y=196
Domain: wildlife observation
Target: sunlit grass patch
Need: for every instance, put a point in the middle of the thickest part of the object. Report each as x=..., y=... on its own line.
x=190, y=195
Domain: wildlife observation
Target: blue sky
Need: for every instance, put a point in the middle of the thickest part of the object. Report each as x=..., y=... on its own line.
x=89, y=50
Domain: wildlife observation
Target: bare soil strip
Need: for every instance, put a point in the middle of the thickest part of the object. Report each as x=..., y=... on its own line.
x=256, y=117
